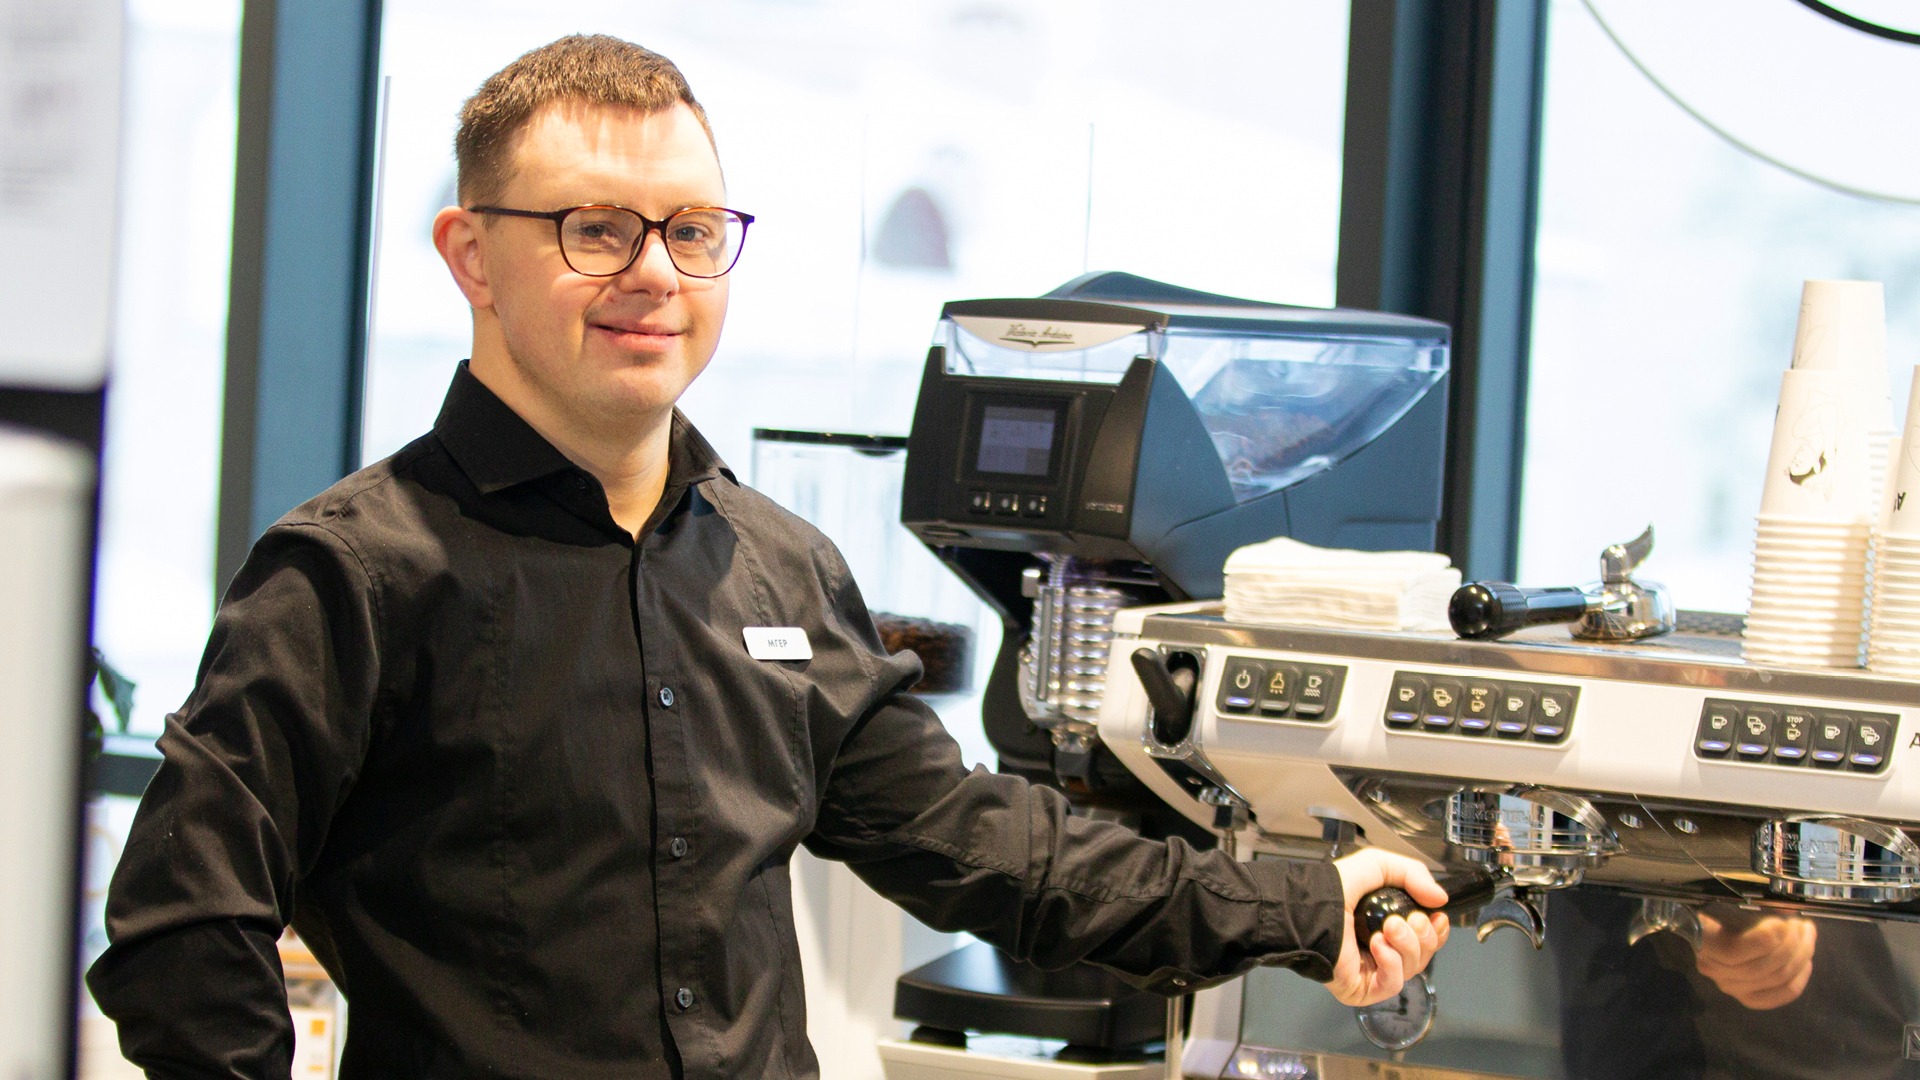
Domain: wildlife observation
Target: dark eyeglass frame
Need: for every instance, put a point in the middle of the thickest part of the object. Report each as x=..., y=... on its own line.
x=647, y=227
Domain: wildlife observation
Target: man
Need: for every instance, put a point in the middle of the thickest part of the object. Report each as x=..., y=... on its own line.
x=480, y=720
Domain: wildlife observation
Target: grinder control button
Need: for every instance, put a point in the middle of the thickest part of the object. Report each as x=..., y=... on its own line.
x=979, y=502
x=1753, y=736
x=1276, y=695
x=1319, y=691
x=1515, y=714
x=1006, y=503
x=1476, y=709
x=1443, y=704
x=1831, y=734
x=1792, y=735
x=1241, y=684
x=1871, y=734
x=1717, y=721
x=1405, y=700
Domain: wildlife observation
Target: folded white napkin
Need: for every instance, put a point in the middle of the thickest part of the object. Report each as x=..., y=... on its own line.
x=1285, y=581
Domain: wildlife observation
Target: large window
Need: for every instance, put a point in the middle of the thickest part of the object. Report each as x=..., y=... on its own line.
x=899, y=156
x=155, y=590
x=1670, y=264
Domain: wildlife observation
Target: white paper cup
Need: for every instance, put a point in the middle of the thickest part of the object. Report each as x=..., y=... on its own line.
x=1900, y=508
x=1806, y=593
x=1813, y=535
x=1817, y=469
x=1842, y=327
x=1814, y=611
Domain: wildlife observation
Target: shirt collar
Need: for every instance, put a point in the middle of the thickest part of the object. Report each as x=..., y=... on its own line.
x=497, y=449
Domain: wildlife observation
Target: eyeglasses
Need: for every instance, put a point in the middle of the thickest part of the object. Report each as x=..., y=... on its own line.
x=602, y=241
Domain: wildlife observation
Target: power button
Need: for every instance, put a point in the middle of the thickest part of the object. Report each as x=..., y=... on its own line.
x=1241, y=684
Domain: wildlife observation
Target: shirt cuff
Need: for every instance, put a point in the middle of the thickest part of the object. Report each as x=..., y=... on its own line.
x=1303, y=914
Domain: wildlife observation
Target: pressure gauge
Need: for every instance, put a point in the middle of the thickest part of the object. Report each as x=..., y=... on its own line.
x=1401, y=1020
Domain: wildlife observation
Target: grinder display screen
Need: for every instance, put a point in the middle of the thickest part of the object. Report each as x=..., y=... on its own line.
x=1016, y=440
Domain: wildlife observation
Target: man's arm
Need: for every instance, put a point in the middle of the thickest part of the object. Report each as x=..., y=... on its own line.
x=1004, y=860
x=256, y=763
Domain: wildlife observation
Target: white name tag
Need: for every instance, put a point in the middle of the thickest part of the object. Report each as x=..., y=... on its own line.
x=777, y=643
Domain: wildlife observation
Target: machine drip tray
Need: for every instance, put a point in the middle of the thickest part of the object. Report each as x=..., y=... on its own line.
x=979, y=988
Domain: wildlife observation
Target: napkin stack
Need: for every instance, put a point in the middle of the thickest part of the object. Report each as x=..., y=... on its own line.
x=1285, y=581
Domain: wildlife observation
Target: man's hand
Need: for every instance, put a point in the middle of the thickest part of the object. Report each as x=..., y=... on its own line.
x=1764, y=966
x=1402, y=948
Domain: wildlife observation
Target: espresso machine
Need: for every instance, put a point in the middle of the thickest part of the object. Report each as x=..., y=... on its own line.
x=1616, y=820
x=1103, y=447
x=1666, y=862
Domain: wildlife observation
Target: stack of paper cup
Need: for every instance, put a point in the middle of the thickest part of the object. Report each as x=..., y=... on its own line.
x=1843, y=327
x=1808, y=606
x=1894, y=640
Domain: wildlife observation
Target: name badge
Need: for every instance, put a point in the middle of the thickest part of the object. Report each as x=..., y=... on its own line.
x=777, y=643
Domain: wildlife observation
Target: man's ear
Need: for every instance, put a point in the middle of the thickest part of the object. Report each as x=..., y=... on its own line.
x=456, y=233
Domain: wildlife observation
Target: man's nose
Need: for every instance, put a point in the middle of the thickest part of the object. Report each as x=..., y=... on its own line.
x=652, y=271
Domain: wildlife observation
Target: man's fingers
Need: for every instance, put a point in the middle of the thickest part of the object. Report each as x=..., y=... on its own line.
x=1419, y=883
x=1389, y=965
x=1764, y=967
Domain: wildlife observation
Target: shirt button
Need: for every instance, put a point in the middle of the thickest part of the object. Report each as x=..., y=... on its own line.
x=678, y=847
x=683, y=997
x=579, y=483
x=666, y=697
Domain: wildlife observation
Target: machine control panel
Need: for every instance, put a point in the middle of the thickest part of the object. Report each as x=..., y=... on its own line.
x=1477, y=707
x=1768, y=733
x=1276, y=690
x=1027, y=504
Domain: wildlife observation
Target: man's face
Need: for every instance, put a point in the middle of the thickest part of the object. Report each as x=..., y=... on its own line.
x=601, y=351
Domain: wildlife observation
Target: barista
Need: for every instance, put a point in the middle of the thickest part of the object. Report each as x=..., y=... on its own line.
x=520, y=727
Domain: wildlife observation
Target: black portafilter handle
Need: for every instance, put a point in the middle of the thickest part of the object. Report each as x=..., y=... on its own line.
x=1491, y=609
x=1466, y=891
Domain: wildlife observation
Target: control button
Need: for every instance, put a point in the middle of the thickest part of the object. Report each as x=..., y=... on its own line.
x=1717, y=721
x=1476, y=708
x=1006, y=502
x=677, y=847
x=1791, y=738
x=1871, y=734
x=1033, y=506
x=1241, y=684
x=1553, y=715
x=1276, y=697
x=1409, y=693
x=1317, y=692
x=1831, y=734
x=1515, y=714
x=1443, y=704
x=1753, y=736
x=979, y=502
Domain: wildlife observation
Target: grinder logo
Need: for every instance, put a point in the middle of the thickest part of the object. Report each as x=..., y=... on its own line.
x=1034, y=337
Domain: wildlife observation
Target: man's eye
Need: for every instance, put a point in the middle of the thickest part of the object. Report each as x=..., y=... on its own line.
x=691, y=233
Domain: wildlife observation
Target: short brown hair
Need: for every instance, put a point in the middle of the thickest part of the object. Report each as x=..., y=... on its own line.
x=592, y=69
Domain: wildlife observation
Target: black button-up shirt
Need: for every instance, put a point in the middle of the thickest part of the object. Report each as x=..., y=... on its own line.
x=516, y=780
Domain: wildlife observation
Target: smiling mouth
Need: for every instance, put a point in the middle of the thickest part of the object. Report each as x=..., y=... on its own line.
x=642, y=331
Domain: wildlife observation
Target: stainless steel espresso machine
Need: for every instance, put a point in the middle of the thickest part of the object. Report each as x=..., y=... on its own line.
x=1627, y=818
x=1107, y=446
